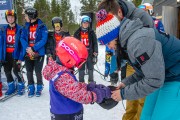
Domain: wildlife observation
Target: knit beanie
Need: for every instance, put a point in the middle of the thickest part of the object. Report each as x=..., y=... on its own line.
x=108, y=26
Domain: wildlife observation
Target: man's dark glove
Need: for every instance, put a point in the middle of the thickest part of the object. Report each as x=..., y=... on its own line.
x=94, y=60
x=114, y=77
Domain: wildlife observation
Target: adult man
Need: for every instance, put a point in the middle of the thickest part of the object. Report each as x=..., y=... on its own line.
x=121, y=9
x=155, y=58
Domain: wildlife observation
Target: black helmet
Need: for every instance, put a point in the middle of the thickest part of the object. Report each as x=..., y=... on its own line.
x=12, y=13
x=57, y=20
x=109, y=103
x=31, y=12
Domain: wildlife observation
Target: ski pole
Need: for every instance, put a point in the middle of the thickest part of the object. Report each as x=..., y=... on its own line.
x=100, y=73
x=76, y=72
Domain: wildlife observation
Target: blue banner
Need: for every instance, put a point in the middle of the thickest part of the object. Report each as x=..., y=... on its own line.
x=6, y=4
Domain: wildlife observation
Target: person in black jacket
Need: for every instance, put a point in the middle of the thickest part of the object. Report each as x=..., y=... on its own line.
x=54, y=37
x=86, y=35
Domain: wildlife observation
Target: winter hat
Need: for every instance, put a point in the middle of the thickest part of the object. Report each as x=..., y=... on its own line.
x=107, y=28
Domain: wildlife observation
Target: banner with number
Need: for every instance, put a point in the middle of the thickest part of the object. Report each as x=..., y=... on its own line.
x=4, y=5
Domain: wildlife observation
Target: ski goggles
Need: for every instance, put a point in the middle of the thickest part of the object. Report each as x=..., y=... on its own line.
x=142, y=7
x=86, y=19
x=56, y=24
x=10, y=12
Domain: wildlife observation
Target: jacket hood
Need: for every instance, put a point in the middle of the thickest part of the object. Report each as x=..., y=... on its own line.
x=127, y=28
x=127, y=7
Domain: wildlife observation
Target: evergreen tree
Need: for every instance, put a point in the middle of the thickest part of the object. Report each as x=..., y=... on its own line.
x=44, y=12
x=64, y=12
x=137, y=2
x=72, y=26
x=53, y=7
x=19, y=8
x=58, y=9
x=88, y=5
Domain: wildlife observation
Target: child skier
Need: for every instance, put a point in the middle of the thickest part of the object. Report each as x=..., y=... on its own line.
x=67, y=94
x=54, y=37
x=33, y=39
x=10, y=52
x=87, y=36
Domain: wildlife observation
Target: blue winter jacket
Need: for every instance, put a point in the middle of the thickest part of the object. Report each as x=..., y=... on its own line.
x=40, y=39
x=111, y=64
x=17, y=49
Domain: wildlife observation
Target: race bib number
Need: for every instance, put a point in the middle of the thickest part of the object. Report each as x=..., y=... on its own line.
x=32, y=35
x=10, y=39
x=85, y=42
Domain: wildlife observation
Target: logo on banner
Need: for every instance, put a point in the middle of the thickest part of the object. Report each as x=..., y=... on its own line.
x=2, y=17
x=5, y=5
x=3, y=2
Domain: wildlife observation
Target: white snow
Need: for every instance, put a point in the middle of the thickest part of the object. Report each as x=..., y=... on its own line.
x=37, y=108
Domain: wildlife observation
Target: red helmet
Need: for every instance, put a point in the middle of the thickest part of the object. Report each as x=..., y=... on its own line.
x=71, y=52
x=11, y=13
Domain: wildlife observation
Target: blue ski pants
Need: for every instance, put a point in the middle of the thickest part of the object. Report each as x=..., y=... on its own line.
x=163, y=104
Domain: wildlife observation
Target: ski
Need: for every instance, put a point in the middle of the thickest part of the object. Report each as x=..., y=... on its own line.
x=3, y=99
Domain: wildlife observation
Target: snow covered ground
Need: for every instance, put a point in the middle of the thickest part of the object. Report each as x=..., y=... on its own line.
x=37, y=108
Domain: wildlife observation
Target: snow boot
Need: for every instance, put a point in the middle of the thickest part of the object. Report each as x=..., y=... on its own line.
x=31, y=90
x=0, y=89
x=11, y=88
x=39, y=90
x=20, y=88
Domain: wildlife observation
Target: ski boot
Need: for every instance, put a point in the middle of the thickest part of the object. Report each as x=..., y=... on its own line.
x=20, y=88
x=0, y=89
x=31, y=90
x=11, y=88
x=39, y=90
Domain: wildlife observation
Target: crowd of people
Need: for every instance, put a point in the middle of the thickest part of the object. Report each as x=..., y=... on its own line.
x=136, y=45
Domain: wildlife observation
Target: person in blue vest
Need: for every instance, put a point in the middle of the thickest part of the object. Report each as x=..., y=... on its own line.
x=149, y=9
x=10, y=52
x=33, y=39
x=67, y=94
x=111, y=66
x=155, y=57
